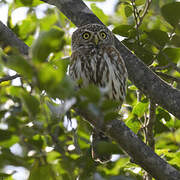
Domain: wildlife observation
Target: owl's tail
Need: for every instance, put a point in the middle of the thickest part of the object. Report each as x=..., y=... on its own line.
x=99, y=147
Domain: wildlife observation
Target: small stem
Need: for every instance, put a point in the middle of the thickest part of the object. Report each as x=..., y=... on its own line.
x=150, y=124
x=136, y=17
x=145, y=11
x=168, y=76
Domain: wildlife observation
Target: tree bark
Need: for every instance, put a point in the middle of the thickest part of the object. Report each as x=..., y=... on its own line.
x=8, y=38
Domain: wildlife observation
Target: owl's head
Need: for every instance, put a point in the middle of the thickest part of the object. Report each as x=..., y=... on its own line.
x=92, y=36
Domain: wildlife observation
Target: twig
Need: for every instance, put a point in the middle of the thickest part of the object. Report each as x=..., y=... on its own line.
x=8, y=78
x=145, y=11
x=149, y=126
x=168, y=76
x=156, y=68
x=139, y=18
x=169, y=65
x=136, y=17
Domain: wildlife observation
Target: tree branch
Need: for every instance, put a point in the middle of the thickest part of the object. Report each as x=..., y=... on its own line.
x=139, y=151
x=8, y=38
x=8, y=78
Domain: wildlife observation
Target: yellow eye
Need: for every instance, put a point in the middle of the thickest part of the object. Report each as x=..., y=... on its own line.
x=103, y=35
x=86, y=35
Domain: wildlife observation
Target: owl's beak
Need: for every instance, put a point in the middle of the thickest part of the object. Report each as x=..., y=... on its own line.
x=96, y=39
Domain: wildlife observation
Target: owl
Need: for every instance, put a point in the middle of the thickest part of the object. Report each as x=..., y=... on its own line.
x=95, y=60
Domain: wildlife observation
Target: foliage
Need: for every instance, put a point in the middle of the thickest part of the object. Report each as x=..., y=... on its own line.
x=37, y=112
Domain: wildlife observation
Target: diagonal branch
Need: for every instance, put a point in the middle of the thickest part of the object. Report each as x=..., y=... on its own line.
x=140, y=75
x=138, y=150
x=8, y=38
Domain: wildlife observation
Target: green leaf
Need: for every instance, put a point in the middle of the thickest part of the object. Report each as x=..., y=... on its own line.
x=161, y=113
x=144, y=54
x=29, y=3
x=159, y=37
x=160, y=127
x=4, y=176
x=175, y=160
x=169, y=55
x=27, y=26
x=9, y=142
x=110, y=116
x=7, y=157
x=5, y=135
x=132, y=87
x=31, y=103
x=15, y=91
x=49, y=76
x=133, y=123
x=128, y=11
x=171, y=13
x=48, y=21
x=42, y=171
x=20, y=65
x=92, y=93
x=52, y=78
x=99, y=13
x=175, y=40
x=47, y=42
x=122, y=30
x=110, y=105
x=36, y=141
x=105, y=148
x=140, y=108
x=139, y=2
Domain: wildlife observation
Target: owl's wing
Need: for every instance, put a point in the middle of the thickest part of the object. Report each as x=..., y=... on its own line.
x=118, y=72
x=116, y=59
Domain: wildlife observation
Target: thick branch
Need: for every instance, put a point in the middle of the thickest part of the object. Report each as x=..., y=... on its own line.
x=8, y=38
x=139, y=151
x=140, y=75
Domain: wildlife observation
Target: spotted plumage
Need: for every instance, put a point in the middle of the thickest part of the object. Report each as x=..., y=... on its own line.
x=95, y=60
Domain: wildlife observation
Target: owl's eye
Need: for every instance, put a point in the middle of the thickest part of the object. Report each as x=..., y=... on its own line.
x=103, y=35
x=86, y=35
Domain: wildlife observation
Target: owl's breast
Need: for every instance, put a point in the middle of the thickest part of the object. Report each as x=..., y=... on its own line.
x=103, y=68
